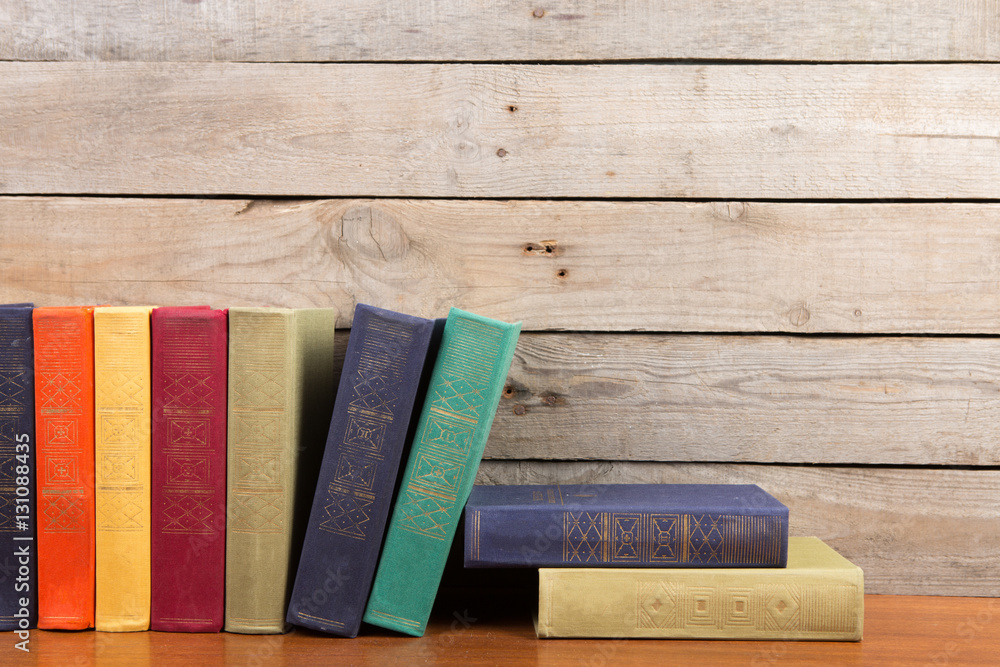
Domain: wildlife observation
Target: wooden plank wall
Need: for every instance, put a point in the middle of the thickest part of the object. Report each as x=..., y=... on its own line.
x=752, y=241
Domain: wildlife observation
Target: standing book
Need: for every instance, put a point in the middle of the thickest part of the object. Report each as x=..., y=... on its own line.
x=625, y=525
x=819, y=596
x=19, y=593
x=190, y=351
x=64, y=415
x=469, y=374
x=378, y=387
x=122, y=460
x=281, y=389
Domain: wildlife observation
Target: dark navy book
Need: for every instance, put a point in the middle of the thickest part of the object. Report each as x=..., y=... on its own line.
x=19, y=557
x=625, y=525
x=383, y=370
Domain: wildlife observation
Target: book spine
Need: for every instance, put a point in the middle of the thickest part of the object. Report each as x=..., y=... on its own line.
x=281, y=377
x=685, y=604
x=18, y=590
x=622, y=537
x=189, y=469
x=64, y=409
x=259, y=436
x=122, y=384
x=455, y=421
x=378, y=387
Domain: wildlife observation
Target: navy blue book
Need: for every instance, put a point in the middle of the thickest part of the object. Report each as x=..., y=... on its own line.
x=625, y=525
x=18, y=589
x=383, y=369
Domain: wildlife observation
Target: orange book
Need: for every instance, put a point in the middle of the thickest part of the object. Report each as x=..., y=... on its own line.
x=64, y=418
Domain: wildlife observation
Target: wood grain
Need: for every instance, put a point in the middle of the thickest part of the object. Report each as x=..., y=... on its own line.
x=912, y=531
x=645, y=131
x=490, y=630
x=780, y=399
x=583, y=265
x=505, y=30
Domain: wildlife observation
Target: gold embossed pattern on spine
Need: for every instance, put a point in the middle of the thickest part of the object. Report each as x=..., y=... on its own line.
x=477, y=520
x=17, y=444
x=122, y=382
x=819, y=596
x=649, y=538
x=59, y=378
x=259, y=433
x=370, y=413
x=64, y=384
x=14, y=398
x=762, y=608
x=456, y=408
x=187, y=411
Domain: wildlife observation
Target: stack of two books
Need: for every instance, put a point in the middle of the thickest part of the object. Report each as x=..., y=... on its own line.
x=666, y=561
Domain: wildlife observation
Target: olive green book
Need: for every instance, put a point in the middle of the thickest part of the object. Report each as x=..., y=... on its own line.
x=469, y=373
x=819, y=596
x=281, y=388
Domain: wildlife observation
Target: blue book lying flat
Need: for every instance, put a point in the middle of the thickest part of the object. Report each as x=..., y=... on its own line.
x=625, y=525
x=382, y=371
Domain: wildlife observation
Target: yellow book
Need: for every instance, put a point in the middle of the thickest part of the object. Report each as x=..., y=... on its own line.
x=122, y=459
x=819, y=596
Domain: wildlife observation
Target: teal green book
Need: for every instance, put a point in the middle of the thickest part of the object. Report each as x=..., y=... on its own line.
x=469, y=374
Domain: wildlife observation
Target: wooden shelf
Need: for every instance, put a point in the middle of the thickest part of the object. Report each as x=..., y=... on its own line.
x=472, y=629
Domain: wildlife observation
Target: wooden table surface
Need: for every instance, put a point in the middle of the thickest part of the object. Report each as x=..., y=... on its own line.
x=899, y=630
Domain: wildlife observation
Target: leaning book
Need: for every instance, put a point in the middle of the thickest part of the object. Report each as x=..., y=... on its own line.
x=469, y=374
x=378, y=389
x=819, y=596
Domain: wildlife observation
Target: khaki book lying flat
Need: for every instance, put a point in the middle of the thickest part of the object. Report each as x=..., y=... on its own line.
x=819, y=596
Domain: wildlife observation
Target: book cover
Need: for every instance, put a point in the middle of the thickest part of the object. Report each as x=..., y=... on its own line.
x=625, y=525
x=378, y=386
x=121, y=467
x=19, y=589
x=469, y=373
x=188, y=547
x=281, y=389
x=819, y=596
x=64, y=416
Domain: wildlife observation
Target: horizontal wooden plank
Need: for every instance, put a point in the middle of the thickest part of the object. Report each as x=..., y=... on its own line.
x=647, y=131
x=647, y=397
x=912, y=531
x=475, y=30
x=594, y=266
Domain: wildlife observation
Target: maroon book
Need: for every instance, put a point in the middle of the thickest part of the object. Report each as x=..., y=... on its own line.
x=188, y=469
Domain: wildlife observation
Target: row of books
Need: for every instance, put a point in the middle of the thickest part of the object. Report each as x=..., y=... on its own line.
x=198, y=470
x=187, y=457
